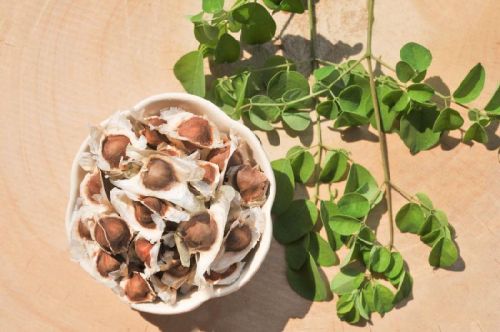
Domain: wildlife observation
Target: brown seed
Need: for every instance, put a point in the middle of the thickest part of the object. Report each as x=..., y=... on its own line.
x=236, y=159
x=155, y=204
x=210, y=172
x=199, y=232
x=94, y=186
x=197, y=130
x=83, y=230
x=153, y=137
x=220, y=275
x=160, y=175
x=143, y=215
x=251, y=183
x=185, y=146
x=106, y=263
x=143, y=250
x=219, y=156
x=114, y=148
x=112, y=234
x=239, y=238
x=177, y=270
x=137, y=289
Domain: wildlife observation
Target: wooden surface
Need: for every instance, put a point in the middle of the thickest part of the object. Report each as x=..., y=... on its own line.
x=67, y=64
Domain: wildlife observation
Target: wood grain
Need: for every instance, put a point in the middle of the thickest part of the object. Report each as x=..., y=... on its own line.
x=67, y=64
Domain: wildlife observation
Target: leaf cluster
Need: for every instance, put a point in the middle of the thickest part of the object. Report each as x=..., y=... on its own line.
x=421, y=218
x=298, y=224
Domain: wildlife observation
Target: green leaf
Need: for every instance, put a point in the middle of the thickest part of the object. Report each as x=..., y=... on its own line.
x=197, y=17
x=476, y=132
x=285, y=185
x=350, y=98
x=213, y=6
x=420, y=92
x=344, y=225
x=471, y=86
x=368, y=296
x=302, y=163
x=272, y=4
x=307, y=281
x=227, y=49
x=382, y=299
x=448, y=119
x=262, y=116
x=380, y=259
x=274, y=65
x=493, y=106
x=419, y=77
x=417, y=56
x=298, y=121
x=328, y=109
x=348, y=279
x=292, y=6
x=404, y=71
x=320, y=251
x=327, y=209
x=345, y=304
x=206, y=33
x=296, y=221
x=361, y=181
x=352, y=255
x=431, y=224
x=404, y=288
x=323, y=72
x=269, y=113
x=335, y=167
x=354, y=205
x=297, y=252
x=396, y=100
x=416, y=128
x=425, y=200
x=410, y=218
x=396, y=266
x=362, y=306
x=444, y=253
x=284, y=81
x=189, y=71
x=258, y=25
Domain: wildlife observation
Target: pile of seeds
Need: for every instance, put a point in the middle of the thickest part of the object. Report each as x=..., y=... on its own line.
x=168, y=205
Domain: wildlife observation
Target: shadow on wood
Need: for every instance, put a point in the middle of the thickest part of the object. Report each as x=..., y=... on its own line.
x=266, y=303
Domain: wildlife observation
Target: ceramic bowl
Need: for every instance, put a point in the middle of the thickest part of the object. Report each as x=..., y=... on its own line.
x=199, y=106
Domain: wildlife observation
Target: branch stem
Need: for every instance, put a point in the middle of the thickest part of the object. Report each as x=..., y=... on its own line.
x=382, y=138
x=314, y=64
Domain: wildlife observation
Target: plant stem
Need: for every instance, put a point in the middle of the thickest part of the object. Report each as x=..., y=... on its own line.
x=404, y=194
x=314, y=64
x=382, y=138
x=383, y=63
x=407, y=196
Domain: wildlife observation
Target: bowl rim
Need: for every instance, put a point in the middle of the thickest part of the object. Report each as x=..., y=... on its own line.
x=211, y=111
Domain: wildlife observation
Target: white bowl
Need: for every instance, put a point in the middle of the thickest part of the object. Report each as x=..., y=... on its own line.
x=196, y=105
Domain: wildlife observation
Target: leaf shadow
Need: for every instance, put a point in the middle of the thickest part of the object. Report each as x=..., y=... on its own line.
x=354, y=134
x=493, y=138
x=266, y=303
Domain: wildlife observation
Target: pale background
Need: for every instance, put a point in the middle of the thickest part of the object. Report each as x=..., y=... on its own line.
x=67, y=64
